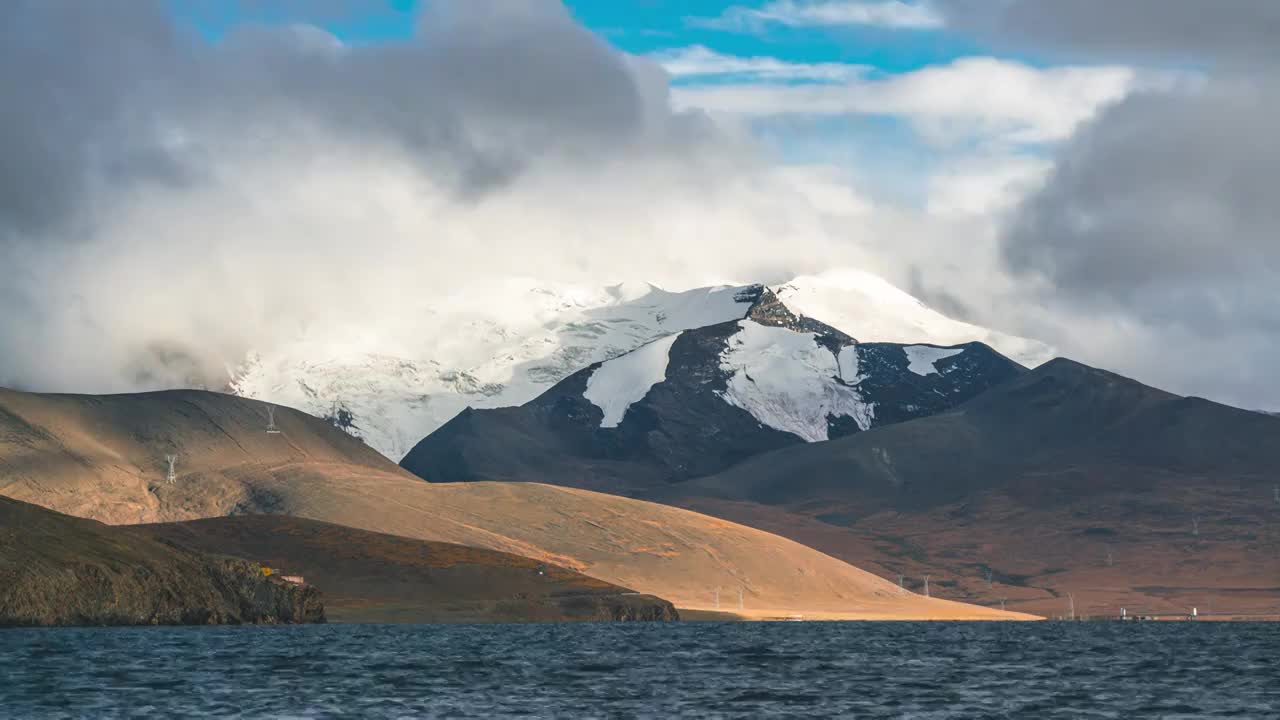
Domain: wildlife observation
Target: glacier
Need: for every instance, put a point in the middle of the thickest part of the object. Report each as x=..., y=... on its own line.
x=790, y=382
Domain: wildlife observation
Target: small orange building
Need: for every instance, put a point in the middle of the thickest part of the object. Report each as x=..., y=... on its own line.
x=295, y=579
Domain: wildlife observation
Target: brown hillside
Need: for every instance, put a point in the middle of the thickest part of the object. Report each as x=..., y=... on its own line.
x=102, y=457
x=1067, y=481
x=373, y=577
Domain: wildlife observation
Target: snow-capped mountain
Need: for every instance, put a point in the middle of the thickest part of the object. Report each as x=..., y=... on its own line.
x=701, y=400
x=503, y=346
x=488, y=351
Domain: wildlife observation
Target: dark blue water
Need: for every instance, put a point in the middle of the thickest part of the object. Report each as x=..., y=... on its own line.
x=1042, y=670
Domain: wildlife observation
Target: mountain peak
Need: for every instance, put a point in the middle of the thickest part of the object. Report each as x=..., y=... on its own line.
x=771, y=311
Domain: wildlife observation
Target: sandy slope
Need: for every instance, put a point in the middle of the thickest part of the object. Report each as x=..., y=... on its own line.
x=102, y=457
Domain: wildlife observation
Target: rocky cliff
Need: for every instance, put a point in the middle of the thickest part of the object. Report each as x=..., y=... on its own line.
x=60, y=570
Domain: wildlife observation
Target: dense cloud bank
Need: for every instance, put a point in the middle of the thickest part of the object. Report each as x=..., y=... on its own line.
x=168, y=204
x=1154, y=245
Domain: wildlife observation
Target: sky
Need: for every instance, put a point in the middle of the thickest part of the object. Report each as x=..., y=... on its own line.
x=190, y=181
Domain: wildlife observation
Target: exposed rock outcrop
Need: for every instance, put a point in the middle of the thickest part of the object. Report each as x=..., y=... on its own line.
x=60, y=570
x=634, y=607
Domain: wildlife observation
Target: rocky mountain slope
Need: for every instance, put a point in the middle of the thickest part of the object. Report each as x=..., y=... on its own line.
x=504, y=345
x=373, y=577
x=1065, y=480
x=697, y=402
x=60, y=570
x=88, y=455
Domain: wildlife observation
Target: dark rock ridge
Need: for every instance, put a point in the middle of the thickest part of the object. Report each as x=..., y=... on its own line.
x=60, y=570
x=768, y=310
x=1060, y=431
x=684, y=427
x=375, y=577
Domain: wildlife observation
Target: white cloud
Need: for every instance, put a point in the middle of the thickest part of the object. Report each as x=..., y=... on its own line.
x=988, y=97
x=698, y=61
x=983, y=185
x=894, y=14
x=198, y=203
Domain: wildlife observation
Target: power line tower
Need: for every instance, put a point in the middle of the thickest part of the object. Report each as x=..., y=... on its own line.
x=926, y=586
x=739, y=598
x=902, y=588
x=271, y=421
x=717, y=597
x=171, y=476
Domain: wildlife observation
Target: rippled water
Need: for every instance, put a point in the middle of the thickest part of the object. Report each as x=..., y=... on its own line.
x=1043, y=670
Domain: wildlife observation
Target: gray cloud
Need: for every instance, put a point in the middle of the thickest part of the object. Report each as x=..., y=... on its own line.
x=1154, y=245
x=1180, y=30
x=62, y=85
x=99, y=93
x=168, y=205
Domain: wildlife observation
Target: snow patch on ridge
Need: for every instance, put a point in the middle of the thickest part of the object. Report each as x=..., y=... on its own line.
x=789, y=382
x=619, y=383
x=848, y=364
x=923, y=359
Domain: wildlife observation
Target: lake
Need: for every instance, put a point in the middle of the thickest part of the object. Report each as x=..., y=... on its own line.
x=866, y=670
